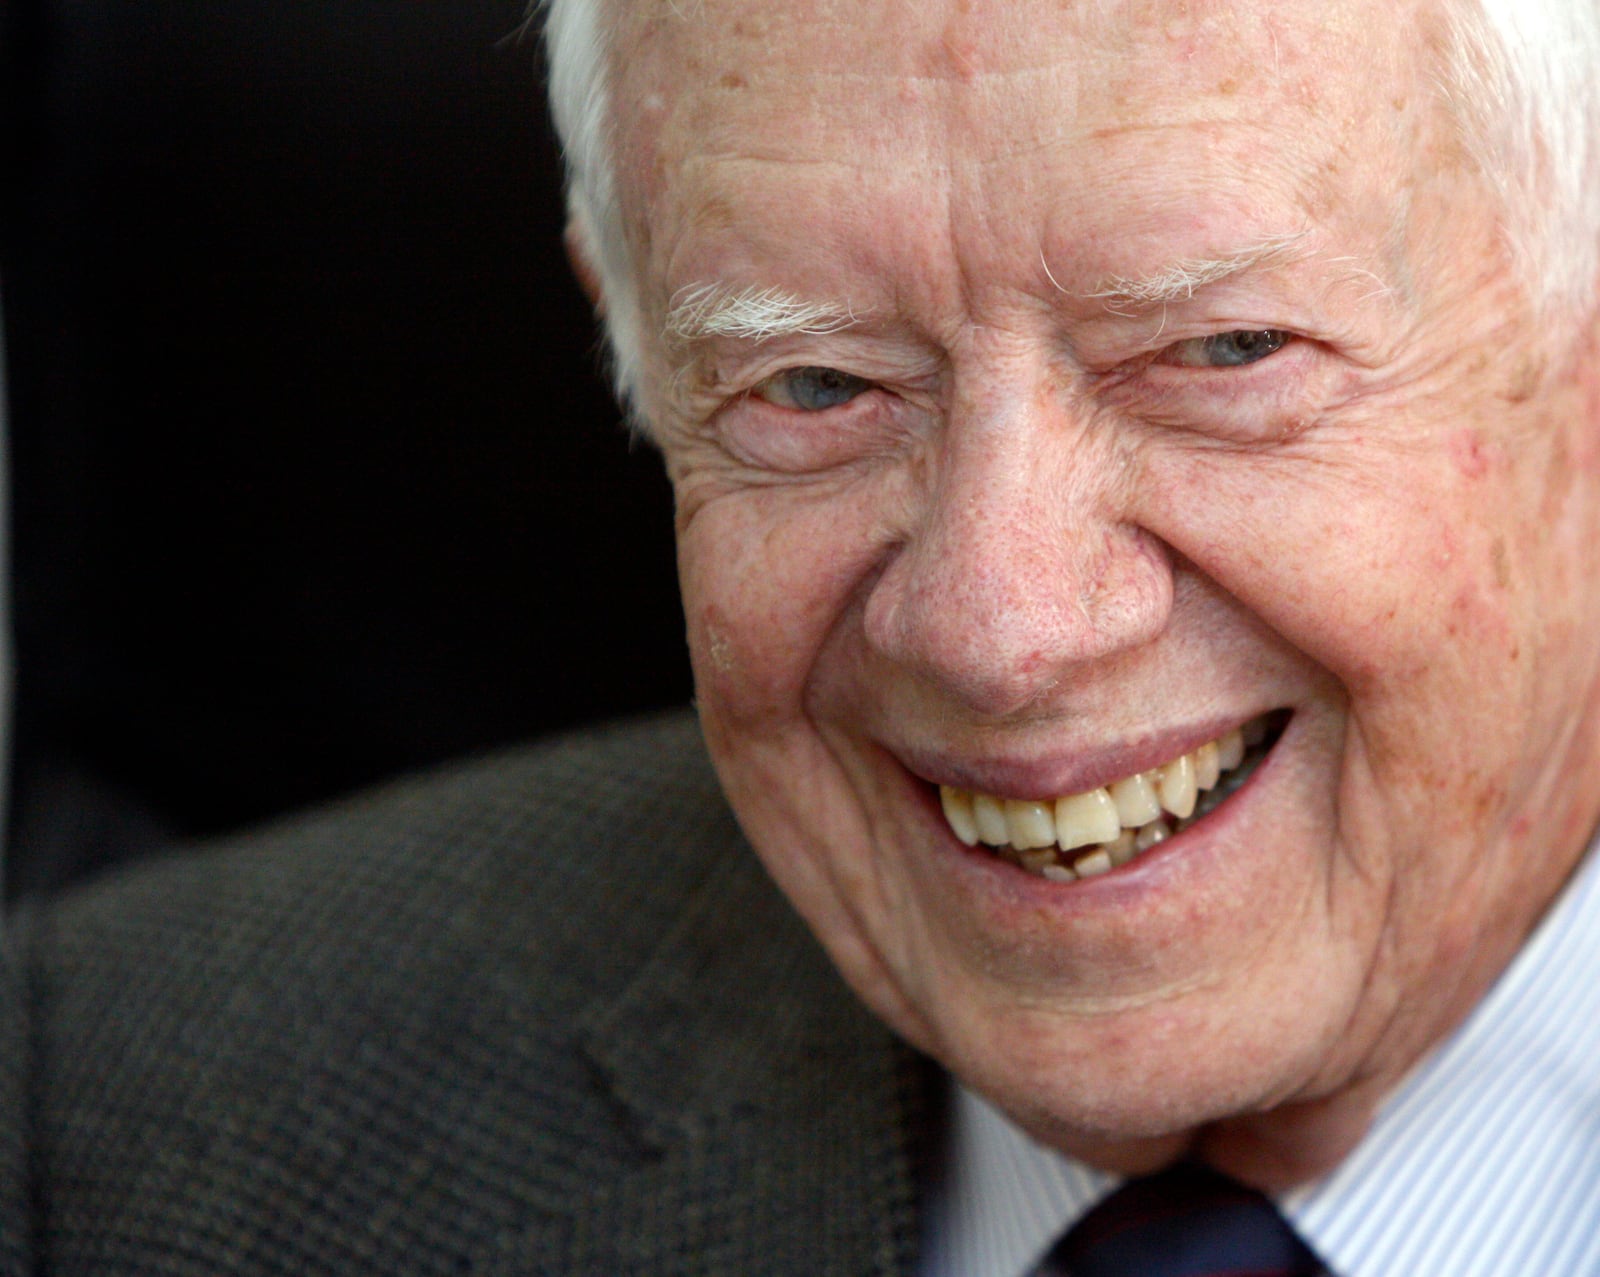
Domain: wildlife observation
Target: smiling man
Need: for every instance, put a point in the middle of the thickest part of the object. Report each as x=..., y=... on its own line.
x=1136, y=472
x=1138, y=490
x=1071, y=490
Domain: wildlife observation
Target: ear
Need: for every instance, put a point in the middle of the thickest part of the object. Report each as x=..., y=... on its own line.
x=582, y=261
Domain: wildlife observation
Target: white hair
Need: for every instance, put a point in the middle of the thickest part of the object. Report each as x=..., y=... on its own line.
x=577, y=35
x=1179, y=280
x=1524, y=76
x=755, y=314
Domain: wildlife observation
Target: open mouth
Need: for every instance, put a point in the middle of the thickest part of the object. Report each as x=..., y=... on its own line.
x=1088, y=834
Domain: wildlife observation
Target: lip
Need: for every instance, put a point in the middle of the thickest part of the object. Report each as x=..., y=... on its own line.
x=1048, y=777
x=1214, y=839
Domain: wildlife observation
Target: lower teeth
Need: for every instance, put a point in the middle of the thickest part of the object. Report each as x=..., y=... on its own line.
x=1089, y=862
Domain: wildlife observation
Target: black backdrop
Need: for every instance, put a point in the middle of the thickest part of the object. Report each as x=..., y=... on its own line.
x=312, y=476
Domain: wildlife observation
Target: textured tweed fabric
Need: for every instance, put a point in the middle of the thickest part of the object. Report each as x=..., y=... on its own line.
x=541, y=1015
x=16, y=1225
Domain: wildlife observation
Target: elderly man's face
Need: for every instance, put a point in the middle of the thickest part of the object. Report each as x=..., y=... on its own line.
x=1146, y=374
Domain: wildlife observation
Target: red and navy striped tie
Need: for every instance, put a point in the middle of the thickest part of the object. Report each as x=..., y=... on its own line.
x=1187, y=1221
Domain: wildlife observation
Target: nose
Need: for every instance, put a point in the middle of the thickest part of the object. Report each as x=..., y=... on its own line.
x=1019, y=570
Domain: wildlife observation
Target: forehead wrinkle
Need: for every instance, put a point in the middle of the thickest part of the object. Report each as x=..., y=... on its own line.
x=928, y=113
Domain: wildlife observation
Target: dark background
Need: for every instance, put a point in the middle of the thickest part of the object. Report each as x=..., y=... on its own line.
x=312, y=477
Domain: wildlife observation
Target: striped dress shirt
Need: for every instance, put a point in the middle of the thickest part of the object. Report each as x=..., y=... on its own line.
x=1484, y=1163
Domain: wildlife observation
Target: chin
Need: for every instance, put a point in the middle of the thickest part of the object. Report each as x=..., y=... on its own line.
x=1153, y=1075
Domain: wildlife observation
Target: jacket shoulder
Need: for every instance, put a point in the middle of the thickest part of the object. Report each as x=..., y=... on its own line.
x=353, y=1042
x=528, y=851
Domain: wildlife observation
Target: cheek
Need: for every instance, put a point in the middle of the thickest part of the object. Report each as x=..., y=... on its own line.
x=1398, y=575
x=768, y=576
x=1392, y=572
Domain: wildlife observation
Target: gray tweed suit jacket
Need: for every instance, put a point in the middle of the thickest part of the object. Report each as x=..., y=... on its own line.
x=544, y=1014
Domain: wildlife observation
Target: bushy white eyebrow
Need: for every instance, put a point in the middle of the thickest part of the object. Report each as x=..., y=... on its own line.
x=1180, y=280
x=759, y=314
x=752, y=314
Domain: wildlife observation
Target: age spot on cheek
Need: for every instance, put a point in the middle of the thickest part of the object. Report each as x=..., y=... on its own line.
x=1501, y=557
x=1524, y=380
x=1469, y=453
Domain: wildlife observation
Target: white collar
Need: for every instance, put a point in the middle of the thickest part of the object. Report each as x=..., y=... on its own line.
x=1485, y=1163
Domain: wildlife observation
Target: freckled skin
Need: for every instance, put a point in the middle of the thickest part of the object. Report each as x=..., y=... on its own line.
x=1526, y=377
x=1032, y=541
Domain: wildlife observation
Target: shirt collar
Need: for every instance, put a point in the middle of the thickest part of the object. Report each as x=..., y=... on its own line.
x=1487, y=1159
x=1485, y=1162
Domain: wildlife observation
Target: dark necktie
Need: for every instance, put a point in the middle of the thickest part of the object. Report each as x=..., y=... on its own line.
x=1188, y=1221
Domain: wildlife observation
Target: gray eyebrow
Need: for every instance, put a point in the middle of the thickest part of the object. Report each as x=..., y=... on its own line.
x=758, y=314
x=1180, y=280
x=753, y=314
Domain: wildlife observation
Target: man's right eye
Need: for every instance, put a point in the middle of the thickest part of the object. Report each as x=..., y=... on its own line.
x=811, y=389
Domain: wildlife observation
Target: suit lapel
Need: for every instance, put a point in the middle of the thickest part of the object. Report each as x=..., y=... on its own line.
x=783, y=1122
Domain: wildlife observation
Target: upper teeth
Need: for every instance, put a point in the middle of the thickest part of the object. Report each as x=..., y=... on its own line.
x=1080, y=835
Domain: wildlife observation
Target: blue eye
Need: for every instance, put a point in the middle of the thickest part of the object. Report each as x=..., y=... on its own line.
x=811, y=389
x=1228, y=350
